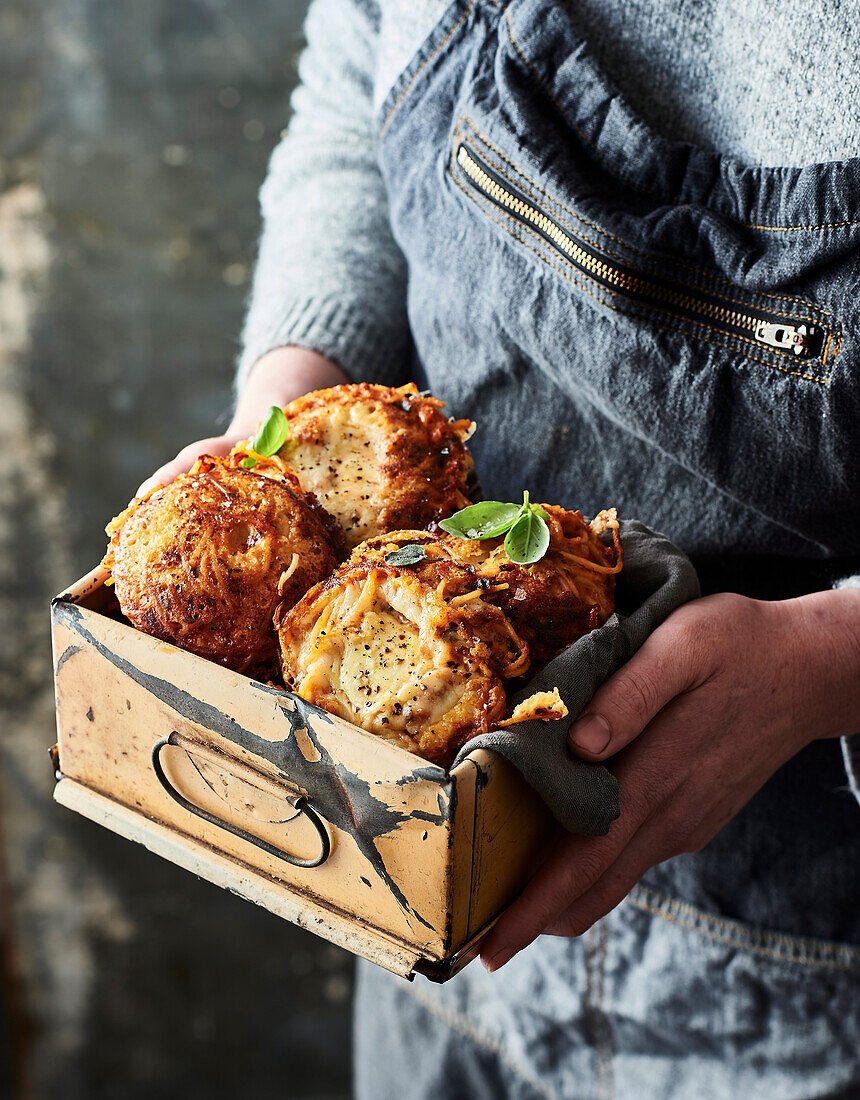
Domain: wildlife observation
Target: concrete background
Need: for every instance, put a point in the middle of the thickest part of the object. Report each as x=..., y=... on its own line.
x=133, y=138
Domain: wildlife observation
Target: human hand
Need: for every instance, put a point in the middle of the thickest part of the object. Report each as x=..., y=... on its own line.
x=276, y=379
x=722, y=694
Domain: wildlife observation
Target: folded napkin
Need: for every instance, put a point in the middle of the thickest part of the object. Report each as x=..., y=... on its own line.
x=656, y=579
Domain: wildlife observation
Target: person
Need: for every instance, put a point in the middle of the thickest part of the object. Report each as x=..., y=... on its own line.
x=623, y=237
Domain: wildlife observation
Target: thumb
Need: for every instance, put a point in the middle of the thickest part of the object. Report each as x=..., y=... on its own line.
x=623, y=706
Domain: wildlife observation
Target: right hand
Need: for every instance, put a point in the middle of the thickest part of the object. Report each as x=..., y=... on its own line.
x=277, y=378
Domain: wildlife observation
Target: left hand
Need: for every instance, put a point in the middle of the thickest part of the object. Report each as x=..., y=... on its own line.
x=277, y=378
x=722, y=694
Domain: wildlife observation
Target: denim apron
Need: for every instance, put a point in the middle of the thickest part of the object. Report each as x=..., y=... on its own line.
x=637, y=323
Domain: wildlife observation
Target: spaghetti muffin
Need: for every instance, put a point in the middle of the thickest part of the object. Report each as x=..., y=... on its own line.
x=377, y=458
x=203, y=562
x=552, y=602
x=406, y=655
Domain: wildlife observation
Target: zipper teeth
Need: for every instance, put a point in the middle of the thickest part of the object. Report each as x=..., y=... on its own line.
x=602, y=271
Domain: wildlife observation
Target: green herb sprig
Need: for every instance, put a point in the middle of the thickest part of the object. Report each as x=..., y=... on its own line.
x=411, y=553
x=527, y=538
x=270, y=437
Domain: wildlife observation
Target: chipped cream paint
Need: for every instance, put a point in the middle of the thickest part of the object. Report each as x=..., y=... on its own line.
x=306, y=747
x=421, y=861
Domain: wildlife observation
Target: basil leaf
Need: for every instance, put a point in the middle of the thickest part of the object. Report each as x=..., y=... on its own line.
x=272, y=433
x=528, y=539
x=481, y=521
x=248, y=463
x=410, y=554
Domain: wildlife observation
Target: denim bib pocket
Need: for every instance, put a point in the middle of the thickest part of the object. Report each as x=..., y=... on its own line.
x=787, y=333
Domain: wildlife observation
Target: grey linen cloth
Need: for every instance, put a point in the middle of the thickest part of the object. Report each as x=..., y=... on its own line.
x=657, y=577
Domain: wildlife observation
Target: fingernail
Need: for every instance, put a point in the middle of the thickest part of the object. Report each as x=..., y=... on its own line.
x=591, y=733
x=495, y=962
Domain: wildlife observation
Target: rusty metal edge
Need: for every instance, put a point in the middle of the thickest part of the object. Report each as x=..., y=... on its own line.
x=84, y=587
x=440, y=971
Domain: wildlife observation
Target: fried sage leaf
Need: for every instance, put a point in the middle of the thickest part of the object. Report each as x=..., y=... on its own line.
x=409, y=554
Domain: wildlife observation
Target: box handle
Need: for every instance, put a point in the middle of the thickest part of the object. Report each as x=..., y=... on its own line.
x=299, y=803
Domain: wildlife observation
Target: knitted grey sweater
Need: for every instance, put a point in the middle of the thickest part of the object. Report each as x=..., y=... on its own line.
x=772, y=82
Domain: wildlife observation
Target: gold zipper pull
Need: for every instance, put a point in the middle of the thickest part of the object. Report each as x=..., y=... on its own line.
x=783, y=336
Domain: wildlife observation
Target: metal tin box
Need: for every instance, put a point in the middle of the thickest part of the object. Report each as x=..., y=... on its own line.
x=255, y=790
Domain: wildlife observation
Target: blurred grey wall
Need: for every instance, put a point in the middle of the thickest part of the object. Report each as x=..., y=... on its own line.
x=133, y=137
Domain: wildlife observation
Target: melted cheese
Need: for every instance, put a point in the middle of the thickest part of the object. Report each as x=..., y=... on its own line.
x=380, y=660
x=382, y=655
x=341, y=467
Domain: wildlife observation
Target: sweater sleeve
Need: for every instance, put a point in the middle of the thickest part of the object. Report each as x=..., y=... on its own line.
x=329, y=275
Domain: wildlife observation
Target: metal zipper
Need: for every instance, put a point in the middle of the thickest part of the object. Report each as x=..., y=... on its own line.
x=805, y=340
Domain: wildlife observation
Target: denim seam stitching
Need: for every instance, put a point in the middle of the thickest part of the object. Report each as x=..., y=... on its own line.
x=826, y=350
x=725, y=922
x=425, y=63
x=610, y=1045
x=587, y=1002
x=472, y=1031
x=641, y=187
x=603, y=1030
x=808, y=952
x=659, y=324
x=630, y=248
x=595, y=1018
